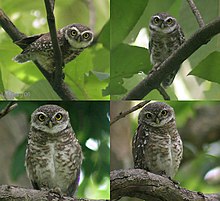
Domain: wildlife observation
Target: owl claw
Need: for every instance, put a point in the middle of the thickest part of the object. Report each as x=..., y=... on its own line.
x=57, y=191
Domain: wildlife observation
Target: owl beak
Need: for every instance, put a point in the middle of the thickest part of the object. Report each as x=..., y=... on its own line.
x=162, y=26
x=157, y=120
x=50, y=124
x=78, y=39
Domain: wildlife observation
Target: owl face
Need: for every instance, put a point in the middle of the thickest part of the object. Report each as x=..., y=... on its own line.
x=156, y=114
x=50, y=119
x=163, y=23
x=78, y=36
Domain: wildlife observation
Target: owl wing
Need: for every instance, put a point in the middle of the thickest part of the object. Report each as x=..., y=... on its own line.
x=73, y=186
x=24, y=42
x=182, y=37
x=139, y=142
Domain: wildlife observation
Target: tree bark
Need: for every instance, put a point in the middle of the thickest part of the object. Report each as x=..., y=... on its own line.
x=15, y=193
x=148, y=186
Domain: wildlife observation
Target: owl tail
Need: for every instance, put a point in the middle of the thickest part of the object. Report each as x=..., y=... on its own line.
x=169, y=79
x=21, y=58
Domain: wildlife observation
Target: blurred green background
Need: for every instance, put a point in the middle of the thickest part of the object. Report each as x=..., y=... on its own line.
x=199, y=127
x=130, y=60
x=90, y=121
x=87, y=75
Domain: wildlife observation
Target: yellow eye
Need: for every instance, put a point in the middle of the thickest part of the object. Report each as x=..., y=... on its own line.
x=58, y=116
x=73, y=32
x=148, y=115
x=86, y=35
x=164, y=112
x=156, y=20
x=169, y=21
x=41, y=117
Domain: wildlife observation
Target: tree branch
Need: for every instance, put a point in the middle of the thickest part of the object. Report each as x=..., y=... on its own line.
x=62, y=90
x=196, y=13
x=58, y=57
x=124, y=114
x=8, y=109
x=8, y=193
x=148, y=186
x=154, y=78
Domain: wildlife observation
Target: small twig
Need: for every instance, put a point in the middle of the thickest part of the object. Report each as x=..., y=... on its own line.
x=124, y=114
x=58, y=57
x=196, y=13
x=7, y=109
x=92, y=13
x=163, y=93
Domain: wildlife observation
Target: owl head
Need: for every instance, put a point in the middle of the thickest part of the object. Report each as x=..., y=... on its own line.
x=162, y=23
x=50, y=119
x=78, y=35
x=156, y=114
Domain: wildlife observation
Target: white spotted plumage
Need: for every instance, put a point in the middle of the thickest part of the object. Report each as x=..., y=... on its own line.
x=165, y=37
x=40, y=49
x=157, y=146
x=53, y=159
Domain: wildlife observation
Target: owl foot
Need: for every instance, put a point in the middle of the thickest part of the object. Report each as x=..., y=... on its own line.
x=163, y=174
x=57, y=191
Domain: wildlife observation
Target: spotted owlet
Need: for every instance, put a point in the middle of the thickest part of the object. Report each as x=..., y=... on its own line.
x=157, y=146
x=53, y=154
x=73, y=39
x=165, y=37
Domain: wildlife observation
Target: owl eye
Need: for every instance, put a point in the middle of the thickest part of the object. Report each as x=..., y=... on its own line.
x=73, y=32
x=148, y=115
x=86, y=35
x=169, y=21
x=41, y=117
x=156, y=20
x=164, y=112
x=58, y=116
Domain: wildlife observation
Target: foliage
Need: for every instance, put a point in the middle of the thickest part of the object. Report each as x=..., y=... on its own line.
x=87, y=75
x=91, y=125
x=129, y=38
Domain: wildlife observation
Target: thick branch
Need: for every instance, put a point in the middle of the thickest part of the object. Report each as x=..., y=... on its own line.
x=148, y=186
x=8, y=193
x=62, y=90
x=153, y=80
x=196, y=13
x=58, y=57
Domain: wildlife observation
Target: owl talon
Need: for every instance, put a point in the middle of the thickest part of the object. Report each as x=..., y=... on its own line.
x=57, y=191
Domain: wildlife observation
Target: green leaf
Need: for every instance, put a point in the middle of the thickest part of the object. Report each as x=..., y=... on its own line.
x=41, y=90
x=124, y=16
x=208, y=68
x=104, y=36
x=126, y=61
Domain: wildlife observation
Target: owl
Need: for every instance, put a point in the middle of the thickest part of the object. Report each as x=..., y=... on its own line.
x=165, y=37
x=157, y=146
x=73, y=39
x=53, y=155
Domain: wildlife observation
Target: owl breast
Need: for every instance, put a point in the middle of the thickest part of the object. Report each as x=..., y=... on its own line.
x=55, y=163
x=162, y=46
x=163, y=152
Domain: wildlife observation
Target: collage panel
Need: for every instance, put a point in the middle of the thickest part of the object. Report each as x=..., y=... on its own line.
x=72, y=74
x=78, y=69
x=154, y=31
x=165, y=150
x=64, y=147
